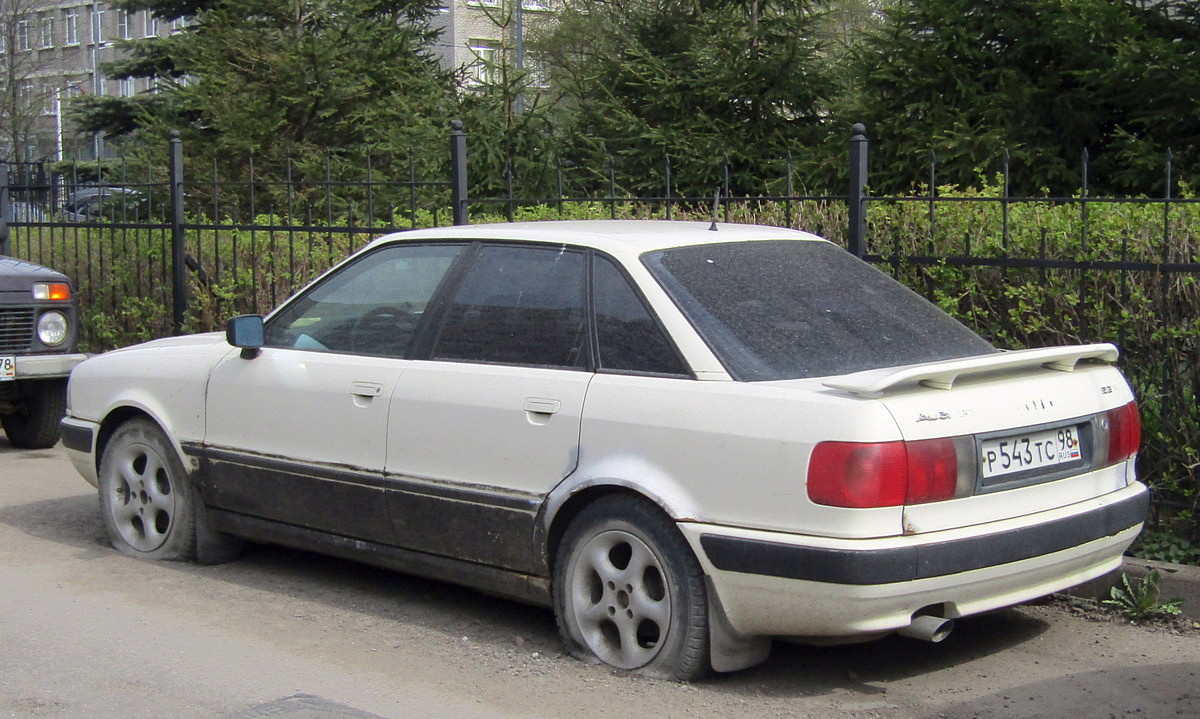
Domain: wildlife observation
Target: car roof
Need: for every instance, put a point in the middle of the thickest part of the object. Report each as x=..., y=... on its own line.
x=617, y=236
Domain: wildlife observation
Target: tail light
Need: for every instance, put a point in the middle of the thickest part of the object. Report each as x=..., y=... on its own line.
x=1124, y=434
x=890, y=474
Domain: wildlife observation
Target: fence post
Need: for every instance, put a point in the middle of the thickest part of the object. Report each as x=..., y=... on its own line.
x=857, y=238
x=458, y=172
x=178, y=250
x=5, y=208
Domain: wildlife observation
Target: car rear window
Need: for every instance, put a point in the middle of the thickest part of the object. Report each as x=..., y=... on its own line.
x=790, y=309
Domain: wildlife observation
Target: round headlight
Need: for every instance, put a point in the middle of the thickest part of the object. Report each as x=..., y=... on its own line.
x=52, y=328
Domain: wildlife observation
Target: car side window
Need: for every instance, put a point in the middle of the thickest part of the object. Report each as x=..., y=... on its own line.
x=518, y=305
x=629, y=338
x=369, y=307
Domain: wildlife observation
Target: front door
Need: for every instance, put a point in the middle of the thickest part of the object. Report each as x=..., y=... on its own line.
x=298, y=433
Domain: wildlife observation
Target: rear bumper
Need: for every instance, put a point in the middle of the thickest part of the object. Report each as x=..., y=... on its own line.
x=789, y=585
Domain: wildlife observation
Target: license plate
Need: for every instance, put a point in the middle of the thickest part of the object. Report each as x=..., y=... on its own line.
x=1031, y=451
x=8, y=368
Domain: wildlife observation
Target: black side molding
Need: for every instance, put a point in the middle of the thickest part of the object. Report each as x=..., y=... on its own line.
x=509, y=584
x=902, y=564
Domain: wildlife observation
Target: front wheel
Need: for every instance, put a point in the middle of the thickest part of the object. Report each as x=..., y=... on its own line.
x=629, y=591
x=146, y=498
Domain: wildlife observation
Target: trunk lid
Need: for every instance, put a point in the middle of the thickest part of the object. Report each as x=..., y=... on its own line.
x=1029, y=426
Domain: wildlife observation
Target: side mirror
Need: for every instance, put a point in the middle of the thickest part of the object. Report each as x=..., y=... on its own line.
x=246, y=331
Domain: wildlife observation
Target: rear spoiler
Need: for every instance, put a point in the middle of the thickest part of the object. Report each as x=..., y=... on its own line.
x=942, y=375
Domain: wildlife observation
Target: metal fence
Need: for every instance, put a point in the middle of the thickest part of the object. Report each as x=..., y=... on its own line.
x=184, y=247
x=150, y=232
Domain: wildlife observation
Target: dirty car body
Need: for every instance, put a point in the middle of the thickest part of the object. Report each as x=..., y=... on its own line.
x=686, y=440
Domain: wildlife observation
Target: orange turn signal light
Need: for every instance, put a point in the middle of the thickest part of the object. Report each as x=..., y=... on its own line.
x=57, y=291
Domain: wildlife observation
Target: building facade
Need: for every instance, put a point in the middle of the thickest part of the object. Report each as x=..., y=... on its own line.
x=52, y=51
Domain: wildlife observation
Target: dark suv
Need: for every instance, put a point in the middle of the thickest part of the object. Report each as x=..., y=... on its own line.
x=38, y=338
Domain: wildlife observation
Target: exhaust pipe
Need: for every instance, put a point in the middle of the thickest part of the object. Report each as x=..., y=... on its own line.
x=928, y=628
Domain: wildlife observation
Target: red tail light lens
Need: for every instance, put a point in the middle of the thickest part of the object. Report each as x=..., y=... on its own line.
x=932, y=470
x=859, y=475
x=884, y=474
x=1124, y=432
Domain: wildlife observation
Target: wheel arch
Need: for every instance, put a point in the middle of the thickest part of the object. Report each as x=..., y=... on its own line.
x=566, y=502
x=729, y=650
x=122, y=414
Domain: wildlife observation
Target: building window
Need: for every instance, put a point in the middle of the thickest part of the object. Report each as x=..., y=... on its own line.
x=179, y=24
x=47, y=97
x=126, y=87
x=23, y=42
x=97, y=25
x=47, y=30
x=123, y=24
x=71, y=26
x=151, y=24
x=483, y=69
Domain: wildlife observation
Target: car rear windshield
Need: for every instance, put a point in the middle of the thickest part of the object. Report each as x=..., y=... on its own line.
x=789, y=309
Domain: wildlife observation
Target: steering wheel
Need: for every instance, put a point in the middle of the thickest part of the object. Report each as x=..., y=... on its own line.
x=382, y=330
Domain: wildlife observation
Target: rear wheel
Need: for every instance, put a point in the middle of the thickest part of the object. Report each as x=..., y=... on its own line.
x=629, y=592
x=40, y=408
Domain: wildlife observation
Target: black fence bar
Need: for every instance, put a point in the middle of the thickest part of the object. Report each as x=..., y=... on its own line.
x=857, y=200
x=458, y=173
x=178, y=246
x=5, y=209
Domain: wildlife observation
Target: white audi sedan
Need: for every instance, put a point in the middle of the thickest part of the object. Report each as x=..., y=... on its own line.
x=686, y=439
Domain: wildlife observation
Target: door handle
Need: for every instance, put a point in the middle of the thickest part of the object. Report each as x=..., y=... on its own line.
x=542, y=406
x=366, y=389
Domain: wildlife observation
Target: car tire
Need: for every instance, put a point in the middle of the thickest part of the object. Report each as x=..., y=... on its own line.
x=35, y=425
x=147, y=500
x=629, y=592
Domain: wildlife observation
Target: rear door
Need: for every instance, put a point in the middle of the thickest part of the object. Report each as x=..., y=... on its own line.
x=486, y=426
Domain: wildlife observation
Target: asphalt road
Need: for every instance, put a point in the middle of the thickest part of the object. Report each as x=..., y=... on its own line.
x=88, y=633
